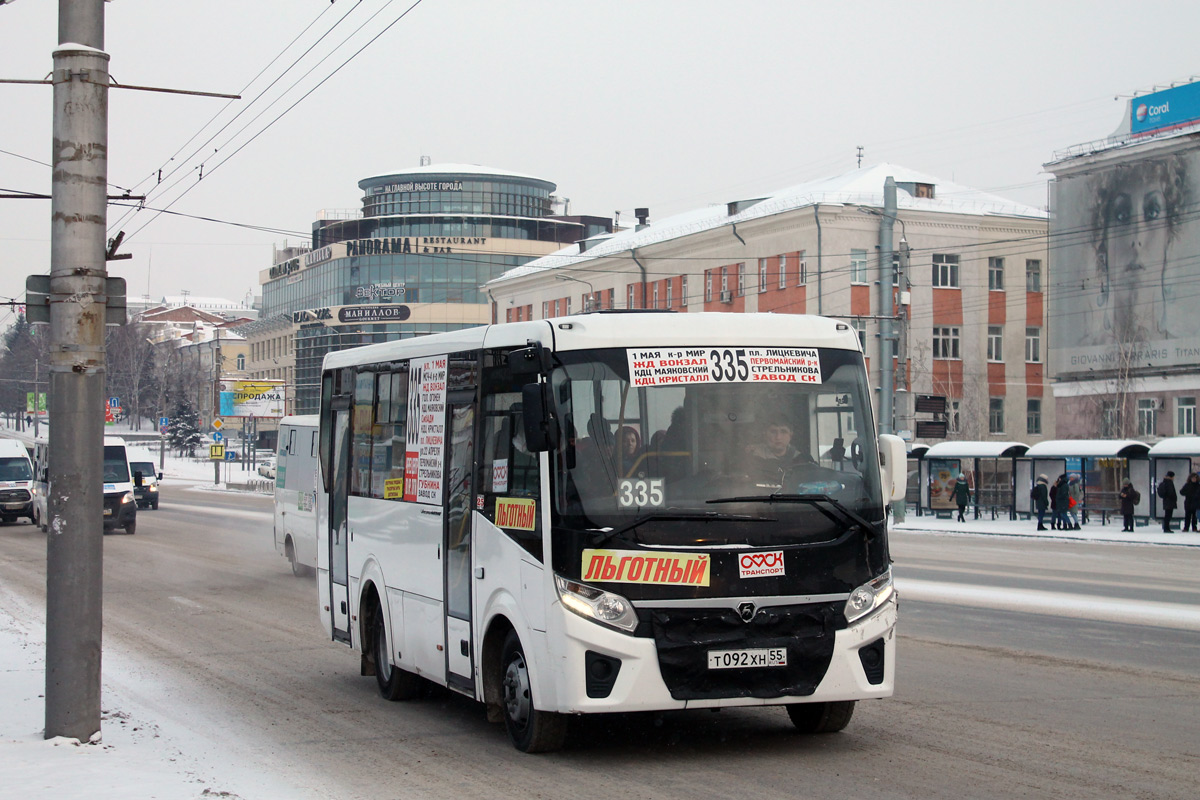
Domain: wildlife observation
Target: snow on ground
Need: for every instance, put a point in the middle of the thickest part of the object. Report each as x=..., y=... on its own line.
x=145, y=754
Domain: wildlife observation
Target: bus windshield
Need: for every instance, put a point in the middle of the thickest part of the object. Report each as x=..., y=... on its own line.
x=709, y=446
x=116, y=468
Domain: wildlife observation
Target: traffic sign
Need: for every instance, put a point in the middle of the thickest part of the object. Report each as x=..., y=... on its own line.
x=216, y=452
x=230, y=455
x=114, y=402
x=162, y=429
x=218, y=424
x=218, y=436
x=164, y=422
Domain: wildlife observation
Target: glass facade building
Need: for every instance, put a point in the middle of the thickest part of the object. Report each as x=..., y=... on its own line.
x=415, y=256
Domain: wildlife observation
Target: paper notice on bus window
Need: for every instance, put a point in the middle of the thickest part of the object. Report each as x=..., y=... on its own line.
x=642, y=566
x=500, y=475
x=393, y=489
x=517, y=513
x=668, y=366
x=425, y=437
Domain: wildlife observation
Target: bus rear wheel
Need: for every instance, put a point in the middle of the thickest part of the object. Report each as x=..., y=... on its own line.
x=821, y=717
x=394, y=683
x=530, y=730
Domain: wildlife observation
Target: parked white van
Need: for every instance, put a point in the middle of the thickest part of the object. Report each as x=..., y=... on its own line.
x=141, y=461
x=296, y=492
x=120, y=505
x=16, y=481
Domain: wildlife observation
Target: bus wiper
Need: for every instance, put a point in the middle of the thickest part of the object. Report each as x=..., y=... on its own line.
x=818, y=501
x=676, y=516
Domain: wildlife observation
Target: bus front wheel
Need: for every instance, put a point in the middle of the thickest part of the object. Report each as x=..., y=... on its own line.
x=821, y=717
x=394, y=683
x=530, y=730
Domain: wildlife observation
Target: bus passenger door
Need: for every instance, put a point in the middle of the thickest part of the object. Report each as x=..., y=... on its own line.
x=460, y=455
x=339, y=455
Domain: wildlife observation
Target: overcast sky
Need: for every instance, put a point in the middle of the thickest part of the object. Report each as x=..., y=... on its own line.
x=668, y=105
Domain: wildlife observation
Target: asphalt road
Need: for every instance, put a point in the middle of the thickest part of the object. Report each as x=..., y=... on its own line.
x=996, y=696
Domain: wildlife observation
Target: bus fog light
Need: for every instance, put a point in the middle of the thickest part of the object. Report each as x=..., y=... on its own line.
x=597, y=605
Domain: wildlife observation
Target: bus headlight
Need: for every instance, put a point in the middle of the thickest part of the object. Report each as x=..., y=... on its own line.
x=597, y=605
x=870, y=596
x=154, y=487
x=127, y=498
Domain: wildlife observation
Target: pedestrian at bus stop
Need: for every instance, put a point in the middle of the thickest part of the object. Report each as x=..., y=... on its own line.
x=1074, y=501
x=1062, y=496
x=1170, y=499
x=962, y=495
x=1130, y=497
x=1040, y=495
x=1190, y=492
x=1053, y=492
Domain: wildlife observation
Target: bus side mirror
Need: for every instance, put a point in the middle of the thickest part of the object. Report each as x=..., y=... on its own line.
x=540, y=431
x=893, y=463
x=531, y=360
x=160, y=476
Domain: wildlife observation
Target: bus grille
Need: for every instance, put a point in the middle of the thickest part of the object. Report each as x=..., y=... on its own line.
x=684, y=637
x=14, y=496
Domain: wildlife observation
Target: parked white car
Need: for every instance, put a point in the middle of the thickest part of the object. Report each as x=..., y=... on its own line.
x=267, y=468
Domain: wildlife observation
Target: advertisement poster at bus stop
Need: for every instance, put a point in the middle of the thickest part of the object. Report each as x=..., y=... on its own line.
x=425, y=438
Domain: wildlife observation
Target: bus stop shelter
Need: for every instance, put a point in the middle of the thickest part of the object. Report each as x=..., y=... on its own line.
x=912, y=492
x=989, y=468
x=1101, y=464
x=1179, y=454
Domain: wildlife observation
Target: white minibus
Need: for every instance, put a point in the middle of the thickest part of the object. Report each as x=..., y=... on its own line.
x=296, y=493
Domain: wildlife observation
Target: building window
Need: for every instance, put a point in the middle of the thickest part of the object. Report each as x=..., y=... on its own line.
x=741, y=279
x=655, y=295
x=546, y=309
x=945, y=342
x=1147, y=416
x=802, y=270
x=895, y=269
x=1033, y=416
x=995, y=415
x=670, y=285
x=632, y=300
x=858, y=266
x=1033, y=345
x=762, y=275
x=995, y=343
x=945, y=270
x=683, y=296
x=1185, y=416
x=1110, y=419
x=567, y=303
x=241, y=361
x=860, y=325
x=954, y=417
x=708, y=285
x=1033, y=275
x=783, y=272
x=995, y=274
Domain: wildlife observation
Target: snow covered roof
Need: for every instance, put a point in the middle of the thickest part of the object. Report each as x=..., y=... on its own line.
x=1088, y=448
x=861, y=187
x=976, y=450
x=1177, y=446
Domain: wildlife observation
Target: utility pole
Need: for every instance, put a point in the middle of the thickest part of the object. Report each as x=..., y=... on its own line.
x=903, y=391
x=217, y=395
x=887, y=384
x=78, y=297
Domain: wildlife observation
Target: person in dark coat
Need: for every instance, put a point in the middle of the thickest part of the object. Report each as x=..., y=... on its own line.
x=1191, y=501
x=1130, y=497
x=1062, y=495
x=1040, y=494
x=1170, y=499
x=962, y=495
x=1053, y=492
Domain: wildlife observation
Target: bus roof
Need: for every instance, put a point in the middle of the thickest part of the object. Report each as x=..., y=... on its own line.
x=608, y=329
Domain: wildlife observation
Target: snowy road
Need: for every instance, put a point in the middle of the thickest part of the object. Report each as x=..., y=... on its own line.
x=1001, y=692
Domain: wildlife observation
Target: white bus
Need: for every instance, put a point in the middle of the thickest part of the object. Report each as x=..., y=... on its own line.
x=296, y=493
x=612, y=512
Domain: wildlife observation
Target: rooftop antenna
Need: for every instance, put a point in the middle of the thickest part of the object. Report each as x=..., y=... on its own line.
x=426, y=161
x=860, y=155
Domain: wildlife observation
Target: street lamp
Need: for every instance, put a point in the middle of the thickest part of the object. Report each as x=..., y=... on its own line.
x=588, y=301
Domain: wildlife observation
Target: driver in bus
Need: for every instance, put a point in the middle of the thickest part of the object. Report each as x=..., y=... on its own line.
x=775, y=454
